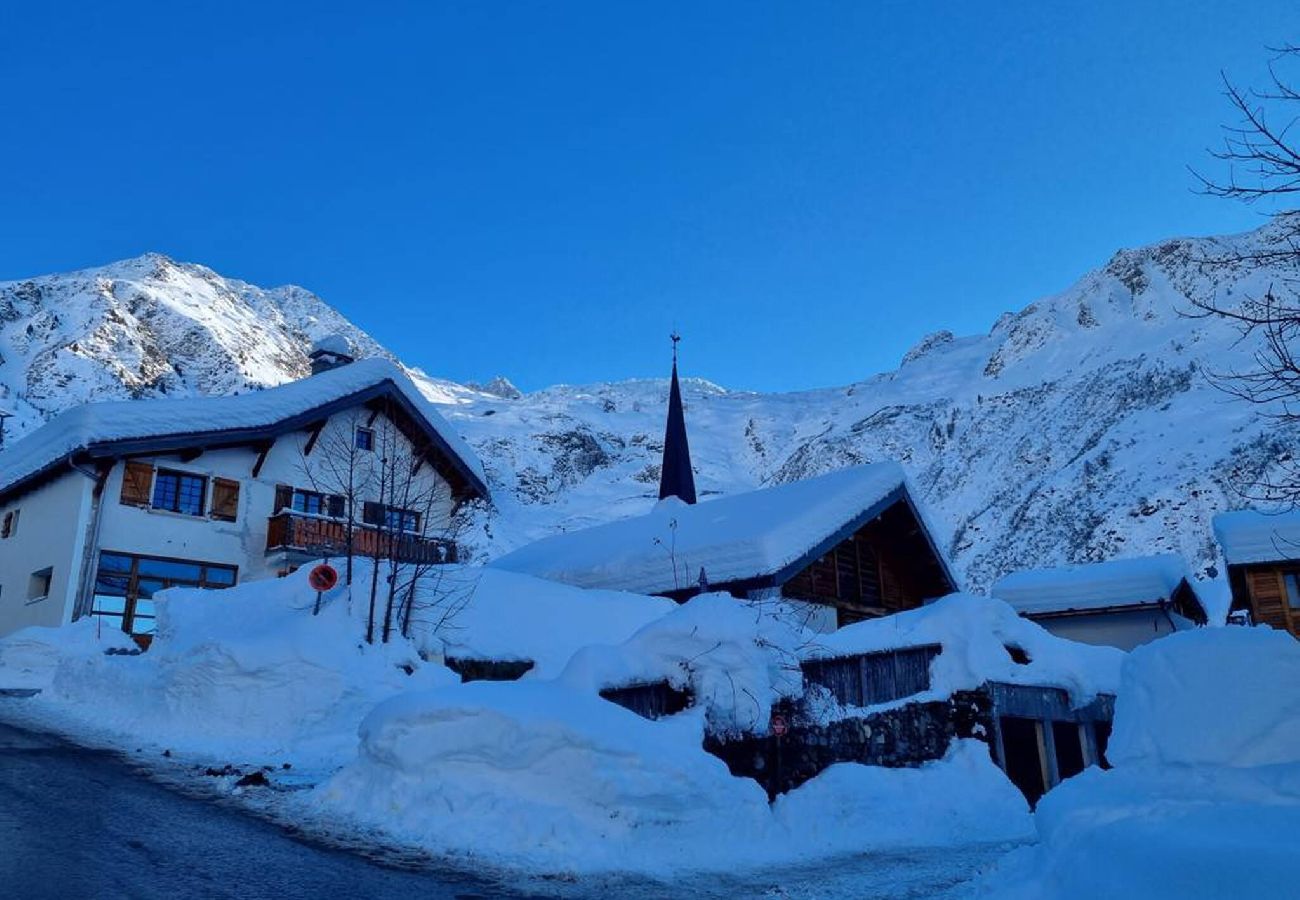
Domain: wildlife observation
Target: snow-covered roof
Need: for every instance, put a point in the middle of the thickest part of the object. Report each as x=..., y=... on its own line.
x=760, y=534
x=334, y=343
x=108, y=428
x=1103, y=585
x=1251, y=536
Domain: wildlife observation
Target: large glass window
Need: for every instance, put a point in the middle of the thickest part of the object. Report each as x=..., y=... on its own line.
x=125, y=586
x=179, y=492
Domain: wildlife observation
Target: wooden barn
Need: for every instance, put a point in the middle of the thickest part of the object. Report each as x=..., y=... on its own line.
x=1262, y=551
x=841, y=547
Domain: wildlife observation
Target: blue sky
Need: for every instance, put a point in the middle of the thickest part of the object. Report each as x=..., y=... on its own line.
x=546, y=190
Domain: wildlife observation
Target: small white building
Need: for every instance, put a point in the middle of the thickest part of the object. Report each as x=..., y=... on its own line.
x=1119, y=603
x=111, y=502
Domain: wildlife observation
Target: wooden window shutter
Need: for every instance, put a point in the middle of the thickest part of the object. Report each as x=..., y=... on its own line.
x=137, y=479
x=372, y=513
x=283, y=497
x=336, y=510
x=225, y=499
x=1268, y=598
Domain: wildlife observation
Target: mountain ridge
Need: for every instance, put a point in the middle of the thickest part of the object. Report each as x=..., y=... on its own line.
x=1079, y=428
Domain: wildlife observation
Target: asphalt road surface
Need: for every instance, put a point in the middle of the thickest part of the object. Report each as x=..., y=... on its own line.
x=78, y=823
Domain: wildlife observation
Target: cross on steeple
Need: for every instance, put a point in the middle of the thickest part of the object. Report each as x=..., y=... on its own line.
x=675, y=476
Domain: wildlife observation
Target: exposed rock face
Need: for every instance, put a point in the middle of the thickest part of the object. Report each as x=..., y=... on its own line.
x=1080, y=428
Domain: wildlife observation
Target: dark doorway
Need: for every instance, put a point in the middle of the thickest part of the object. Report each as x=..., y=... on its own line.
x=1069, y=749
x=1022, y=747
x=1102, y=730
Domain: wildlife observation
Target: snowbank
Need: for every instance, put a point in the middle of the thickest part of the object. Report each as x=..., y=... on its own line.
x=975, y=633
x=540, y=775
x=498, y=615
x=548, y=777
x=246, y=673
x=29, y=658
x=1205, y=793
x=736, y=658
x=961, y=799
x=1226, y=697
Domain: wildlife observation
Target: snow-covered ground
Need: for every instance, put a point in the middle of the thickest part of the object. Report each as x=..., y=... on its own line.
x=540, y=775
x=383, y=745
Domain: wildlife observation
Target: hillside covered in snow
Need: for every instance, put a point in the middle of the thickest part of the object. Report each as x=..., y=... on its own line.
x=1080, y=428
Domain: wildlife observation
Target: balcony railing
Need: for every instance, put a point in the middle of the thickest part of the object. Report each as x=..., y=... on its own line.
x=314, y=536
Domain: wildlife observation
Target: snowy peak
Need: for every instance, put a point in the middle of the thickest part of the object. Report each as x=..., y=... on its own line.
x=1078, y=429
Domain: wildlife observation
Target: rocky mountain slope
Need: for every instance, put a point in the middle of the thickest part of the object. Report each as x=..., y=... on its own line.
x=1080, y=428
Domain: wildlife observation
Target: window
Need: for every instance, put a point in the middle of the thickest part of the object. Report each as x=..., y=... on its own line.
x=125, y=585
x=313, y=503
x=401, y=520
x=390, y=517
x=38, y=586
x=365, y=439
x=179, y=492
x=10, y=526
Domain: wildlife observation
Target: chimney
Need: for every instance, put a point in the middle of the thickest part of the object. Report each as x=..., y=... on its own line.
x=330, y=352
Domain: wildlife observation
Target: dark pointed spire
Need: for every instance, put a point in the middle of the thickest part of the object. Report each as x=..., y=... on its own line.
x=676, y=478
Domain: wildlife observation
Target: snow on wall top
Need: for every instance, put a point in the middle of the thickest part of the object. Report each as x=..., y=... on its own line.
x=1251, y=536
x=1116, y=582
x=94, y=423
x=733, y=538
x=974, y=633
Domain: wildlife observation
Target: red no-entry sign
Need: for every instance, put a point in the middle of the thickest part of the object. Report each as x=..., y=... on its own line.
x=778, y=725
x=323, y=577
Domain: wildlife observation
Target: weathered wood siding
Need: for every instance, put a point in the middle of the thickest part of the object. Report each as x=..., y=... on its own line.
x=1262, y=590
x=871, y=678
x=651, y=701
x=886, y=566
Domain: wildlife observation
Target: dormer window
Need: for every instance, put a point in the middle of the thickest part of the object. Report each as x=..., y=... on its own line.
x=365, y=439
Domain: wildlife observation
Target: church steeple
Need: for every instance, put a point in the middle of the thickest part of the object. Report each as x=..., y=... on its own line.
x=676, y=478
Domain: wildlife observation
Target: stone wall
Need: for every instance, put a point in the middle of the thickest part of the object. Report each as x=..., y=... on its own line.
x=906, y=736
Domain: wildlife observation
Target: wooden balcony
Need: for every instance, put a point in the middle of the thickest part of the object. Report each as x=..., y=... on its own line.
x=314, y=537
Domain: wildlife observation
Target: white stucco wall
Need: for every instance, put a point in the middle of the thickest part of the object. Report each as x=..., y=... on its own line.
x=1125, y=630
x=242, y=543
x=51, y=533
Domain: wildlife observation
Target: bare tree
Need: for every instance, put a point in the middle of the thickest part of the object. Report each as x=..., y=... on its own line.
x=1262, y=158
x=397, y=512
x=340, y=468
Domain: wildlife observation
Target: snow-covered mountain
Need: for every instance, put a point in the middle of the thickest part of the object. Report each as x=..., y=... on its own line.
x=1080, y=428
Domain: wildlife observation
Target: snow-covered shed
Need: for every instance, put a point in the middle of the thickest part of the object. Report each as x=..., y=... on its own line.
x=1262, y=551
x=845, y=546
x=109, y=502
x=1121, y=602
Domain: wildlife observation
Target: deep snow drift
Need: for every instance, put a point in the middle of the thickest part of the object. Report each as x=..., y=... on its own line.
x=541, y=773
x=546, y=775
x=1204, y=798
